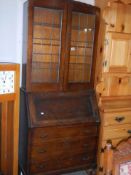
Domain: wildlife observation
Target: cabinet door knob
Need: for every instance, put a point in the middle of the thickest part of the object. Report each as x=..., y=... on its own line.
x=105, y=63
x=100, y=169
x=43, y=136
x=129, y=131
x=87, y=132
x=41, y=166
x=41, y=151
x=67, y=142
x=122, y=27
x=85, y=158
x=120, y=118
x=85, y=145
x=106, y=42
x=112, y=25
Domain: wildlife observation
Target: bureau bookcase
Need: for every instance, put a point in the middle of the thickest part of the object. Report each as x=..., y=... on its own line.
x=59, y=114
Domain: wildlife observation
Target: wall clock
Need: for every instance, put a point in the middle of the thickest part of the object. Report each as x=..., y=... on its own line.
x=7, y=82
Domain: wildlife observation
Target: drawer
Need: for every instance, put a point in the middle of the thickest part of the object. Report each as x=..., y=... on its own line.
x=116, y=118
x=119, y=131
x=39, y=135
x=59, y=163
x=60, y=147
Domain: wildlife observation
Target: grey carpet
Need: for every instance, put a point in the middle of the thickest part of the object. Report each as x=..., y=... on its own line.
x=77, y=173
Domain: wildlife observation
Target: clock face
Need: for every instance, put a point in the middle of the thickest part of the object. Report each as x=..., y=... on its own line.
x=7, y=82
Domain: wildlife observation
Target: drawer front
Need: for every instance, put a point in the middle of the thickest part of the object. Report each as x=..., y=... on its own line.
x=60, y=147
x=116, y=118
x=60, y=163
x=113, y=132
x=40, y=135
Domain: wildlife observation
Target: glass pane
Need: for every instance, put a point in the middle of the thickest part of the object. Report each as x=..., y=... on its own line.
x=81, y=52
x=46, y=45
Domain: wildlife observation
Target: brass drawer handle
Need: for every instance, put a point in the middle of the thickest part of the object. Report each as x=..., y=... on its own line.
x=86, y=131
x=41, y=166
x=85, y=158
x=41, y=151
x=120, y=118
x=85, y=145
x=129, y=131
x=67, y=143
x=44, y=136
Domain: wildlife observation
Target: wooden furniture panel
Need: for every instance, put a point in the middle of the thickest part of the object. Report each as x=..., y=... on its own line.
x=67, y=162
x=117, y=53
x=59, y=148
x=116, y=16
x=41, y=134
x=116, y=85
x=55, y=130
x=115, y=104
x=60, y=108
x=116, y=118
x=9, y=118
x=53, y=148
x=113, y=132
x=101, y=38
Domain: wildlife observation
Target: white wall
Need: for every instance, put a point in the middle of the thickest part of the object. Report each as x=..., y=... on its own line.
x=8, y=30
x=92, y=2
x=11, y=29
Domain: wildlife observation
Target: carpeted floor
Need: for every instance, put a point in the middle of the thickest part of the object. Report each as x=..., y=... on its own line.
x=77, y=173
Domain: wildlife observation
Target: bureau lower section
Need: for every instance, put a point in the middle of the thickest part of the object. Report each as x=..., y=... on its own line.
x=60, y=148
x=58, y=133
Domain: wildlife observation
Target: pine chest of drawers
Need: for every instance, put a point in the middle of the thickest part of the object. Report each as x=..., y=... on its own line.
x=61, y=133
x=115, y=125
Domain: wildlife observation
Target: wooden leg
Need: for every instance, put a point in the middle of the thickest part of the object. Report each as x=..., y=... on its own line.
x=4, y=138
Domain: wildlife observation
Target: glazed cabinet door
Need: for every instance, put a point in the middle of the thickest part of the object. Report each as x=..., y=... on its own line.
x=82, y=36
x=47, y=31
x=117, y=56
x=62, y=39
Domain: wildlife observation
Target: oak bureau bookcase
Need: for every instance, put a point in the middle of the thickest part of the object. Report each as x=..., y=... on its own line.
x=59, y=114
